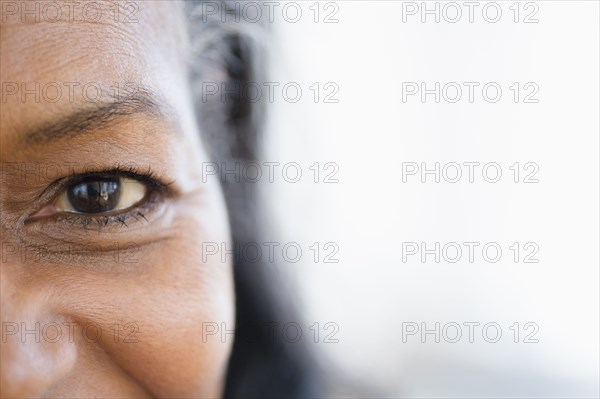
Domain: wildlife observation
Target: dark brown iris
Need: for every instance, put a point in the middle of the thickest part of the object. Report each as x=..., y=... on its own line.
x=95, y=194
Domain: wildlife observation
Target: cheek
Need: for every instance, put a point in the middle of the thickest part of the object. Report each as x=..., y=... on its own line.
x=172, y=308
x=177, y=310
x=181, y=304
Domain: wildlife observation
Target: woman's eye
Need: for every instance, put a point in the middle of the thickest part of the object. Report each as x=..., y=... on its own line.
x=101, y=194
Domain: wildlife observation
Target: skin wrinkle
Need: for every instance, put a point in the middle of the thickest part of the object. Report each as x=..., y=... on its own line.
x=88, y=39
x=144, y=244
x=171, y=290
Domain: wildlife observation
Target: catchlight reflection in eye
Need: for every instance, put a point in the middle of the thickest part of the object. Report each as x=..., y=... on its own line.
x=101, y=194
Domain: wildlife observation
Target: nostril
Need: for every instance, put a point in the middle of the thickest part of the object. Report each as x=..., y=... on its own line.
x=33, y=359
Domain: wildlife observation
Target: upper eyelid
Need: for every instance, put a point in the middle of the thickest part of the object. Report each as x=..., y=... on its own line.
x=149, y=178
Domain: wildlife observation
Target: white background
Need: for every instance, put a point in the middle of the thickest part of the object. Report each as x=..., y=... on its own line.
x=370, y=132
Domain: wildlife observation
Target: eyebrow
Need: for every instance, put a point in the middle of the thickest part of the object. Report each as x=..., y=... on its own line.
x=100, y=115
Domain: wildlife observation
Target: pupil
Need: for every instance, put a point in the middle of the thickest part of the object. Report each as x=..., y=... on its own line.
x=95, y=194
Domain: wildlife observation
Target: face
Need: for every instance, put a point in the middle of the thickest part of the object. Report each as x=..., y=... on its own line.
x=105, y=213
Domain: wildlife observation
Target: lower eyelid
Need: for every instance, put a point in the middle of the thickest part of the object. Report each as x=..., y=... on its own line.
x=142, y=212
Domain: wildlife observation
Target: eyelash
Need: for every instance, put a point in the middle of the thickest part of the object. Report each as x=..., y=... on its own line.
x=156, y=191
x=103, y=221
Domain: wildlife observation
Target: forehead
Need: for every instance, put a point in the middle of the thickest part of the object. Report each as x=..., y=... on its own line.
x=57, y=54
x=120, y=36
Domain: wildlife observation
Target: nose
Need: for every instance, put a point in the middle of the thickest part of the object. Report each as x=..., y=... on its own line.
x=36, y=351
